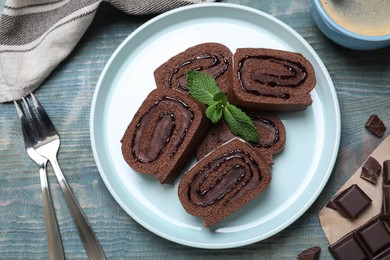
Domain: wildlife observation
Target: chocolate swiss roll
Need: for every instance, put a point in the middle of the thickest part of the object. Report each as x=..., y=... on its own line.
x=212, y=58
x=223, y=182
x=164, y=134
x=272, y=136
x=267, y=79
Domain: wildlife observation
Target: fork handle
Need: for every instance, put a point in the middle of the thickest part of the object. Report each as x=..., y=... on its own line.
x=52, y=232
x=87, y=236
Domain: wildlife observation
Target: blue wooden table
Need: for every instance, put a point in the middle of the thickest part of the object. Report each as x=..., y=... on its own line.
x=362, y=82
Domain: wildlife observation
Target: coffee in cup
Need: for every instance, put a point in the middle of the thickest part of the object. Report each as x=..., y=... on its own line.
x=365, y=17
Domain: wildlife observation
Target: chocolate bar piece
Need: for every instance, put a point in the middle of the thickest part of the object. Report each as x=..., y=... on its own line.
x=351, y=202
x=386, y=200
x=386, y=172
x=386, y=188
x=369, y=241
x=312, y=253
x=347, y=247
x=385, y=255
x=371, y=170
x=374, y=235
x=375, y=125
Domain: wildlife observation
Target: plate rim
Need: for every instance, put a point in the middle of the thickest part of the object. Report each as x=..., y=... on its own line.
x=299, y=213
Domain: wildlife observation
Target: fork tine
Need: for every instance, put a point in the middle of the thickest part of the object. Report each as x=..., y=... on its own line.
x=46, y=122
x=36, y=126
x=30, y=138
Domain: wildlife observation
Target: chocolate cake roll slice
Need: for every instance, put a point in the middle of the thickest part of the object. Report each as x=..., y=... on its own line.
x=164, y=134
x=223, y=182
x=268, y=79
x=212, y=58
x=272, y=136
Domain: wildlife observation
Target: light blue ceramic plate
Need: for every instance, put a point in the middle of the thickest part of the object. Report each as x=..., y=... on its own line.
x=300, y=171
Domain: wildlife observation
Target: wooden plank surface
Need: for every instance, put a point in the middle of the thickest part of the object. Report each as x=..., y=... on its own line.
x=362, y=81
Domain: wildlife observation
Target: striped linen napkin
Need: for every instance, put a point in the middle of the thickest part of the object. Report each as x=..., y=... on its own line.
x=36, y=35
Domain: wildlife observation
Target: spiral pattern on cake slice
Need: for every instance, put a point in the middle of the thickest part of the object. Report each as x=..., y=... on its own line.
x=163, y=134
x=272, y=136
x=223, y=182
x=268, y=79
x=212, y=58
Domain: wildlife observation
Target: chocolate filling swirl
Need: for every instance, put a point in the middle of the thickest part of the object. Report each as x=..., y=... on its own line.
x=161, y=129
x=272, y=132
x=226, y=178
x=213, y=64
x=269, y=76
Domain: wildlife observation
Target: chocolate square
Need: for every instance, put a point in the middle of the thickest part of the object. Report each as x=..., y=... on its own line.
x=374, y=235
x=386, y=172
x=348, y=247
x=350, y=202
x=386, y=188
x=375, y=125
x=371, y=170
x=385, y=255
x=386, y=199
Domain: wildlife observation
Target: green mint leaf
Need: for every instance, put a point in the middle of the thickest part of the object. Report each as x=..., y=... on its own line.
x=202, y=87
x=240, y=124
x=221, y=97
x=214, y=112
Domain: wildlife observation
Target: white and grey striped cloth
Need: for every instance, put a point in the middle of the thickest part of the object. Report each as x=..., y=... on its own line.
x=36, y=35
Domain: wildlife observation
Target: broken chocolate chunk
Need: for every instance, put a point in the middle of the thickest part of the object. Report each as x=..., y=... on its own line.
x=350, y=202
x=312, y=253
x=375, y=125
x=371, y=170
x=331, y=205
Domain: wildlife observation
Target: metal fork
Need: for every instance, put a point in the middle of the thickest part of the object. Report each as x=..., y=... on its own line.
x=52, y=232
x=47, y=145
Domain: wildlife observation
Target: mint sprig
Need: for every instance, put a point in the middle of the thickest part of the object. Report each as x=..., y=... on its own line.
x=240, y=124
x=203, y=88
